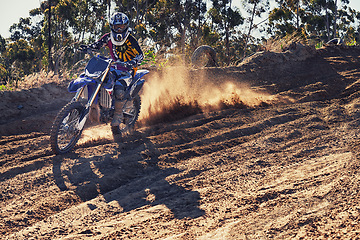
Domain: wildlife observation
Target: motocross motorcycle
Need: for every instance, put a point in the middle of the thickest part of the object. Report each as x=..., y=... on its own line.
x=95, y=91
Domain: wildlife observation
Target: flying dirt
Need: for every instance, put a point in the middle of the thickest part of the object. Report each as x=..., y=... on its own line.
x=266, y=149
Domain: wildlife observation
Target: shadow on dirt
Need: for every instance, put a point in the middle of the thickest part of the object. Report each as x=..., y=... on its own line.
x=131, y=178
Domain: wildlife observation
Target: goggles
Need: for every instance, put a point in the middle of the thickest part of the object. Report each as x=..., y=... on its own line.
x=119, y=28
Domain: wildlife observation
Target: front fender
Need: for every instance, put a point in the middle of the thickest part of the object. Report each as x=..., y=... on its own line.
x=80, y=82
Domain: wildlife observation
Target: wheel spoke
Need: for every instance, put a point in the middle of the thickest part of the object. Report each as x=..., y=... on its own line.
x=68, y=131
x=65, y=132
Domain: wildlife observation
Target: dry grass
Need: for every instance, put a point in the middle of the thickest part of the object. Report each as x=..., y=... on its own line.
x=38, y=79
x=282, y=44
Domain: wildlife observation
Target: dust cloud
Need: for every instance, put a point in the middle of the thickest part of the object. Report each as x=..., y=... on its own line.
x=180, y=91
x=97, y=133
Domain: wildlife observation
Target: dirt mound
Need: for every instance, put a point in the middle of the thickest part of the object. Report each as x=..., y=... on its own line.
x=284, y=165
x=295, y=52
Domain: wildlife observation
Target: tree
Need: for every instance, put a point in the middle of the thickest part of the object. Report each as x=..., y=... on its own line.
x=2, y=44
x=347, y=27
x=315, y=18
x=137, y=11
x=22, y=30
x=284, y=19
x=225, y=19
x=3, y=71
x=171, y=26
x=256, y=9
x=20, y=56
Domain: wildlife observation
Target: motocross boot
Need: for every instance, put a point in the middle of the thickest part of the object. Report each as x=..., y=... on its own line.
x=118, y=113
x=94, y=115
x=117, y=120
x=117, y=135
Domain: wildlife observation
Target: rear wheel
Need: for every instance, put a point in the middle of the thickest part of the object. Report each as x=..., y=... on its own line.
x=204, y=56
x=64, y=132
x=131, y=112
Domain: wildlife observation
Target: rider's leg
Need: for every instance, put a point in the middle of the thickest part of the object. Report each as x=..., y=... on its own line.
x=118, y=113
x=117, y=120
x=119, y=101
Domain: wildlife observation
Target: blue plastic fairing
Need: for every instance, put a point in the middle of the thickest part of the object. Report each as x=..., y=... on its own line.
x=140, y=73
x=79, y=83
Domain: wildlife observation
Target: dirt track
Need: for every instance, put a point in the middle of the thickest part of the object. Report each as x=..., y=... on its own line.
x=283, y=171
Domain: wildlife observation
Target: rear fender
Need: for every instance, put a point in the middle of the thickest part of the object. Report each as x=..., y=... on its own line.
x=140, y=73
x=136, y=87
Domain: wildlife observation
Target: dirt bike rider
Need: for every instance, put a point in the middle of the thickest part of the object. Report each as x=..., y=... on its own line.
x=124, y=47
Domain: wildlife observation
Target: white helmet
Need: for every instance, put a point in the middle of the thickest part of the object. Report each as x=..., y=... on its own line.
x=119, y=25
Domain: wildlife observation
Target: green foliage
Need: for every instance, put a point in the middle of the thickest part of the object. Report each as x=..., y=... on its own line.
x=222, y=16
x=325, y=19
x=2, y=44
x=352, y=43
x=151, y=59
x=17, y=61
x=24, y=30
x=21, y=51
x=318, y=45
x=5, y=88
x=209, y=37
x=4, y=74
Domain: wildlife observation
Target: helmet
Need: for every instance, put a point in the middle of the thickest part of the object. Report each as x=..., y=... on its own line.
x=119, y=25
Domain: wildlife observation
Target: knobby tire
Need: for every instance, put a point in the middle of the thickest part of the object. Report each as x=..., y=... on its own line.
x=72, y=107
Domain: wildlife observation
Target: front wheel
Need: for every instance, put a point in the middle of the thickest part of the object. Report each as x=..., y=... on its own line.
x=131, y=112
x=64, y=132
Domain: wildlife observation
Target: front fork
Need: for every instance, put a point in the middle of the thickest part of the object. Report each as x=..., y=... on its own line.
x=85, y=113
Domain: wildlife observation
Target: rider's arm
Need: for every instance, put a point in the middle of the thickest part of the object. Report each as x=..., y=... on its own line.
x=100, y=43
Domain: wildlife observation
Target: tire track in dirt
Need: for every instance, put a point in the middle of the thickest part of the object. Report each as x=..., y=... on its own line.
x=288, y=171
x=163, y=165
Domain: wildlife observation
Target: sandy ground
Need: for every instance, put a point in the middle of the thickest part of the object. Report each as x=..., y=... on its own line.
x=287, y=169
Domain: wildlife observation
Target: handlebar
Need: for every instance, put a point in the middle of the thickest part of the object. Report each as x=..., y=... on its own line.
x=119, y=63
x=86, y=49
x=128, y=65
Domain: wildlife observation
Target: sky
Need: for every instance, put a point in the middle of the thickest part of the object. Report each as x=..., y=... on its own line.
x=12, y=10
